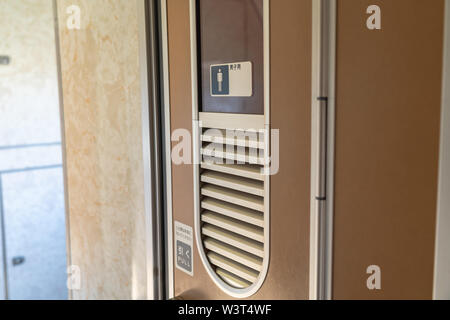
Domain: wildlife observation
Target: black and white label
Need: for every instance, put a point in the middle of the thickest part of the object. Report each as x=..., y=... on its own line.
x=184, y=248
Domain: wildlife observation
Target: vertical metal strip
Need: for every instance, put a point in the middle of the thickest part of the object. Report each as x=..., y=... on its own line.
x=269, y=148
x=155, y=143
x=147, y=162
x=315, y=79
x=194, y=63
x=322, y=148
x=63, y=139
x=441, y=283
x=195, y=124
x=150, y=100
x=267, y=62
x=167, y=150
x=331, y=117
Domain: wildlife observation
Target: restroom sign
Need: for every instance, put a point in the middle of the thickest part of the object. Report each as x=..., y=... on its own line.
x=231, y=79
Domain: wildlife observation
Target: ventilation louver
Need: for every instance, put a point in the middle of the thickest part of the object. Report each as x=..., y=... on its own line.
x=232, y=194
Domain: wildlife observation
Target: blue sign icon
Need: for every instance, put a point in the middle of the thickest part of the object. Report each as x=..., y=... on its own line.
x=220, y=80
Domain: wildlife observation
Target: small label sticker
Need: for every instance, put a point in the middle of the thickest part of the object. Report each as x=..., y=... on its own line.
x=184, y=248
x=231, y=79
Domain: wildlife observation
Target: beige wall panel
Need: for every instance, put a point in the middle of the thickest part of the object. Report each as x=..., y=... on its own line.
x=387, y=140
x=102, y=118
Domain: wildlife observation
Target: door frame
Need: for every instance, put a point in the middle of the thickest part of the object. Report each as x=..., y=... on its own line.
x=153, y=148
x=63, y=145
x=324, y=14
x=167, y=146
x=441, y=286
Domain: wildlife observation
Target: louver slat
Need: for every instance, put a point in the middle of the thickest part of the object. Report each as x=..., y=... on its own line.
x=243, y=243
x=233, y=225
x=233, y=280
x=233, y=267
x=236, y=197
x=234, y=211
x=234, y=182
x=234, y=254
x=237, y=138
x=252, y=156
x=243, y=170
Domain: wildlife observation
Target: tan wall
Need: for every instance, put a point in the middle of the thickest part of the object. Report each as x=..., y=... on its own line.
x=387, y=147
x=100, y=73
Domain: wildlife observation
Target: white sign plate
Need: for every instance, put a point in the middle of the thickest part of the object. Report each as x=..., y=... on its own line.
x=231, y=79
